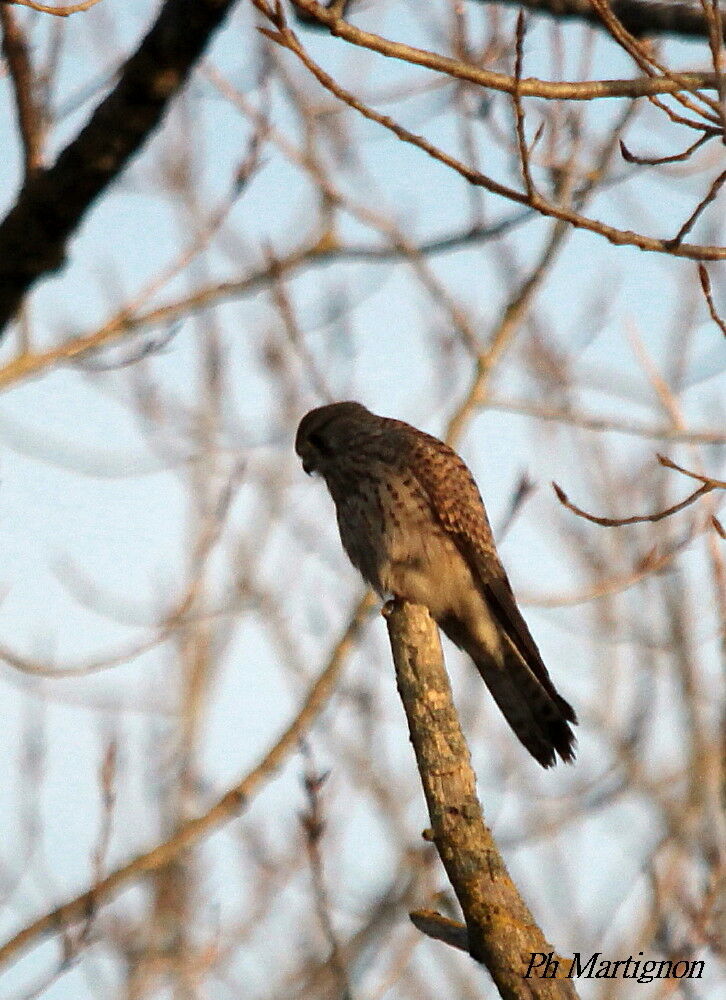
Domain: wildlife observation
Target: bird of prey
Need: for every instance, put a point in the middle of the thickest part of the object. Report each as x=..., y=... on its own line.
x=412, y=521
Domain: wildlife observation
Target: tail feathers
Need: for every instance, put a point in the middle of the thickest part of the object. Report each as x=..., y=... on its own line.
x=540, y=721
x=539, y=716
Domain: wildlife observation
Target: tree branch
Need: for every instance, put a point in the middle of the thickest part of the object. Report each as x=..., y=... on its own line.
x=52, y=203
x=639, y=17
x=502, y=933
x=282, y=35
x=230, y=805
x=549, y=90
x=17, y=57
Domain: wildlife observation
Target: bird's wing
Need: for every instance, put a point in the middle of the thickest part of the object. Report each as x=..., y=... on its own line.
x=457, y=504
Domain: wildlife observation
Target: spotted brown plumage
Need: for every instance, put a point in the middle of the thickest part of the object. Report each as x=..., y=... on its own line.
x=412, y=521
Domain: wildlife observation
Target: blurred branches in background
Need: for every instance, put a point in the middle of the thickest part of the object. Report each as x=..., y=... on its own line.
x=502, y=222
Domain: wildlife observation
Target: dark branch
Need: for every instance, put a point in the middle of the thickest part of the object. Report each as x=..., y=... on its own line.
x=52, y=203
x=638, y=16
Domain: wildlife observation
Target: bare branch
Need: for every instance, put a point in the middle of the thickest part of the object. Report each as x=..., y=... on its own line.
x=191, y=832
x=705, y=201
x=589, y=421
x=314, y=826
x=645, y=161
x=646, y=60
x=15, y=50
x=519, y=108
x=65, y=10
x=714, y=484
x=34, y=234
x=501, y=930
x=584, y=90
x=640, y=17
x=706, y=286
x=285, y=37
x=440, y=928
x=617, y=522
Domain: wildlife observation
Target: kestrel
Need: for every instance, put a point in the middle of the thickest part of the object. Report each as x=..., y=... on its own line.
x=412, y=521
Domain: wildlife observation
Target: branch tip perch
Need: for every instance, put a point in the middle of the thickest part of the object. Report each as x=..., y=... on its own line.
x=500, y=931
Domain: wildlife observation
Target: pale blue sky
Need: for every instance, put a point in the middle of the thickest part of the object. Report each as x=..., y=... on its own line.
x=102, y=506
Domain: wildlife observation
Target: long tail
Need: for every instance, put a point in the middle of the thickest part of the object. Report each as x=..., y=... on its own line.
x=540, y=719
x=538, y=715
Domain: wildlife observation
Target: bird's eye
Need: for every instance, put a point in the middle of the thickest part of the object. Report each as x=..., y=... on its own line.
x=320, y=444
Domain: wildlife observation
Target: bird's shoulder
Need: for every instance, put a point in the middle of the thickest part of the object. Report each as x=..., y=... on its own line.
x=451, y=489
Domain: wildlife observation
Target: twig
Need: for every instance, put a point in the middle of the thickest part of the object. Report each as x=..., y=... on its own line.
x=285, y=37
x=519, y=108
x=706, y=286
x=646, y=61
x=294, y=334
x=705, y=201
x=651, y=563
x=525, y=486
x=64, y=11
x=712, y=14
x=654, y=161
x=151, y=347
x=715, y=484
x=314, y=826
x=617, y=522
x=39, y=668
x=580, y=90
x=108, y=775
x=441, y=928
x=591, y=422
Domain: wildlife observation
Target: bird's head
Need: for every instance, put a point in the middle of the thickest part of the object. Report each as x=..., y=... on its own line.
x=325, y=432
